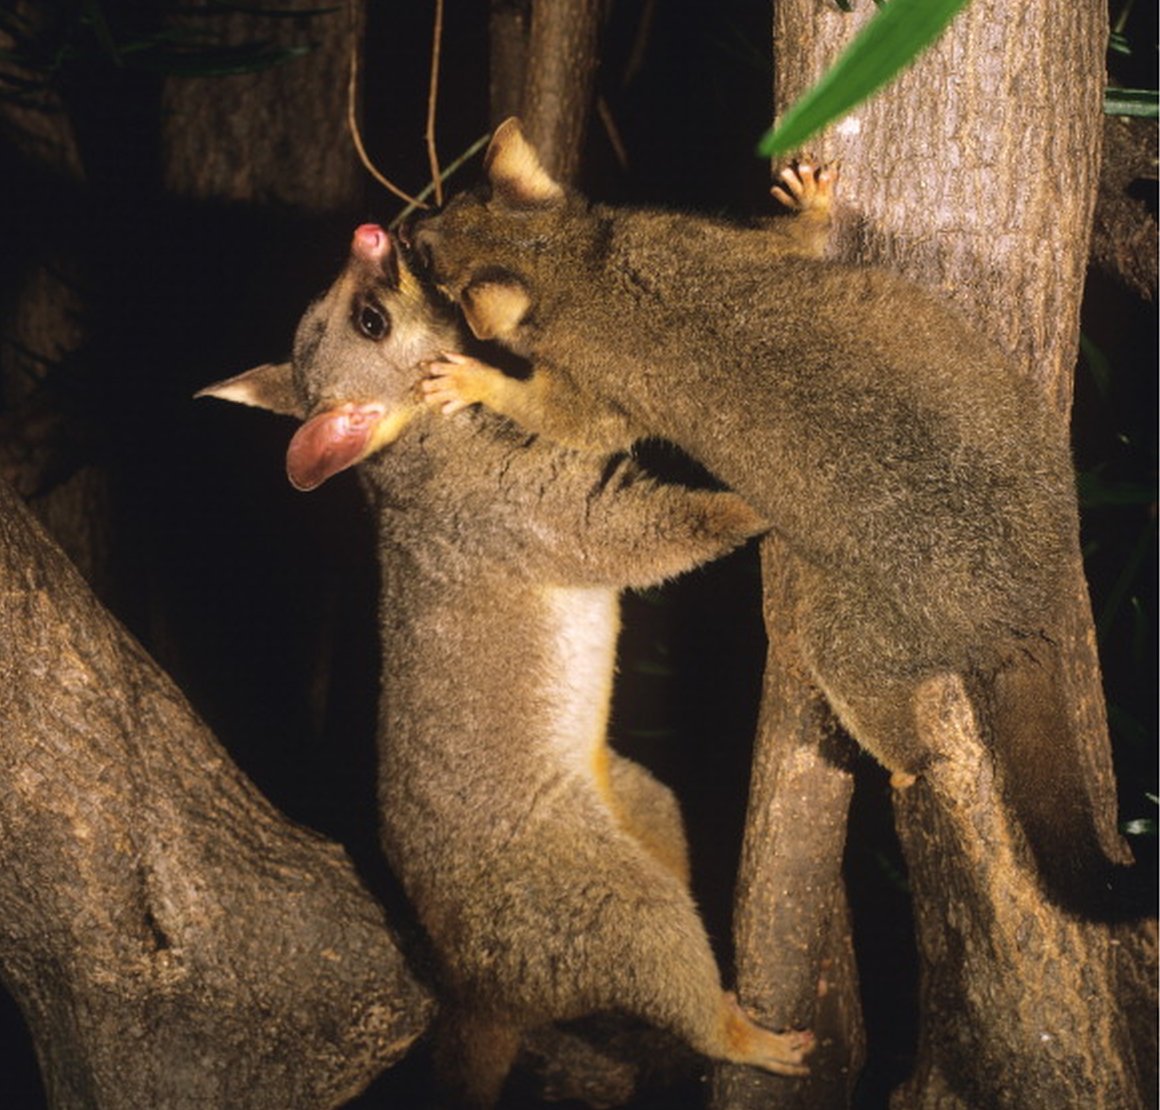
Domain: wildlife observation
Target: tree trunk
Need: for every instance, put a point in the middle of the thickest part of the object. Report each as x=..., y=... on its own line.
x=45, y=436
x=291, y=145
x=794, y=951
x=554, y=70
x=172, y=940
x=975, y=174
x=507, y=57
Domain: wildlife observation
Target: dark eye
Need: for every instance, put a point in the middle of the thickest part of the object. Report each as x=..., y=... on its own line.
x=371, y=321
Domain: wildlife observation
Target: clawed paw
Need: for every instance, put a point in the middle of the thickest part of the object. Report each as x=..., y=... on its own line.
x=453, y=382
x=780, y=1053
x=806, y=187
x=801, y=1041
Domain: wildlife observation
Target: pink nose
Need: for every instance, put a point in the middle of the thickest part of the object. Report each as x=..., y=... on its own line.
x=370, y=241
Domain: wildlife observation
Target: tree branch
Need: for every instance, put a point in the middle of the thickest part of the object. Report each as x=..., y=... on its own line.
x=171, y=938
x=432, y=98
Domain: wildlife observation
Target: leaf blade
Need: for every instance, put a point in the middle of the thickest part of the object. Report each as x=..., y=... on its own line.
x=898, y=33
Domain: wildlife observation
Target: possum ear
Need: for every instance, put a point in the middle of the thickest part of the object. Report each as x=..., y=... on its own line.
x=269, y=386
x=494, y=308
x=514, y=168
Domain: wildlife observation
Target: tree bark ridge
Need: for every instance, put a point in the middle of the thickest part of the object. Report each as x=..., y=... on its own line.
x=1015, y=997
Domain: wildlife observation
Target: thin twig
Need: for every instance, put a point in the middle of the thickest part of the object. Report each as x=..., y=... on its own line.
x=352, y=119
x=432, y=94
x=640, y=43
x=452, y=168
x=613, y=132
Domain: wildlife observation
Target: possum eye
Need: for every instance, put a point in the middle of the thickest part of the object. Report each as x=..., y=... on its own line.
x=371, y=321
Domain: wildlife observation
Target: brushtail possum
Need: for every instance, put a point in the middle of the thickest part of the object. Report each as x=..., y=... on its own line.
x=549, y=872
x=926, y=495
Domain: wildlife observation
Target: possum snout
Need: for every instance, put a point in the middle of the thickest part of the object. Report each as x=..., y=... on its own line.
x=371, y=246
x=370, y=242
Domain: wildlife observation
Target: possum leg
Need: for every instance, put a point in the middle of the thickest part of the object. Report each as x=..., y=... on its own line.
x=648, y=811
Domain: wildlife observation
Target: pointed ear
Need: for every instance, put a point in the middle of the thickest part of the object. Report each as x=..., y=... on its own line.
x=514, y=168
x=495, y=308
x=269, y=386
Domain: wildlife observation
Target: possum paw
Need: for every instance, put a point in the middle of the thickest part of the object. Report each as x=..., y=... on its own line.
x=806, y=188
x=455, y=381
x=902, y=780
x=749, y=1043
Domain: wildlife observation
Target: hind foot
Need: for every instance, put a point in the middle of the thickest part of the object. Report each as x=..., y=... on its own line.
x=748, y=1043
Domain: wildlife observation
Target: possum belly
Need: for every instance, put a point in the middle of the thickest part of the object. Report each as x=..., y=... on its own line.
x=585, y=623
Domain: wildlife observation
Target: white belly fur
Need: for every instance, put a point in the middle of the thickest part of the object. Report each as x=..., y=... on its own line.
x=579, y=686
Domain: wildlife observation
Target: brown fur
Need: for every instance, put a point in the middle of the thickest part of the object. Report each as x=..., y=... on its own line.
x=549, y=872
x=921, y=485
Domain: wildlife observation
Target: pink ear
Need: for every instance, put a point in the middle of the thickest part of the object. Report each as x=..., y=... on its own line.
x=330, y=442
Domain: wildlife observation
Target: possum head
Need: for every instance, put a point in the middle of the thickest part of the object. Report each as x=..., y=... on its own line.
x=356, y=364
x=500, y=249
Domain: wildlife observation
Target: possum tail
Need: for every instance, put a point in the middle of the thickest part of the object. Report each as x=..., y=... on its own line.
x=1046, y=782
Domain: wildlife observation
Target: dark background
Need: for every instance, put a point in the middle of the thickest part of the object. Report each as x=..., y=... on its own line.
x=260, y=601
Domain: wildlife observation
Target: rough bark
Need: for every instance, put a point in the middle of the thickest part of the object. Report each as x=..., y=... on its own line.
x=1022, y=1004
x=976, y=174
x=172, y=939
x=507, y=57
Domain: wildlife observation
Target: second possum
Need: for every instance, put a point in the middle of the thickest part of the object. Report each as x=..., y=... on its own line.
x=920, y=487
x=549, y=872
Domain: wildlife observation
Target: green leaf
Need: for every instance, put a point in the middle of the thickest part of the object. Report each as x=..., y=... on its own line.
x=653, y=668
x=651, y=733
x=1122, y=587
x=214, y=9
x=223, y=61
x=1132, y=102
x=1141, y=826
x=94, y=15
x=1118, y=44
x=898, y=33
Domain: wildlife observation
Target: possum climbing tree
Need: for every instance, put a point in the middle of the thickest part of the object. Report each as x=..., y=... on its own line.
x=170, y=937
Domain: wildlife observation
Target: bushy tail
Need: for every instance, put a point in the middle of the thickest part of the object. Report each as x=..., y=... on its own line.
x=1038, y=740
